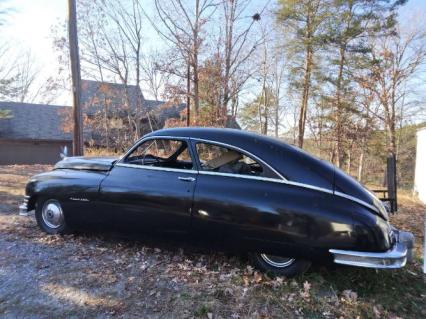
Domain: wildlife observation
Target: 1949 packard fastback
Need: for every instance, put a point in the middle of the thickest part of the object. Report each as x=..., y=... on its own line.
x=282, y=206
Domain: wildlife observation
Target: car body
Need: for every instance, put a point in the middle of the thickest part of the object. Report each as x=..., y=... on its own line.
x=256, y=193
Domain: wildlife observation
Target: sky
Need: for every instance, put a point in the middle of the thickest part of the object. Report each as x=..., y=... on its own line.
x=28, y=26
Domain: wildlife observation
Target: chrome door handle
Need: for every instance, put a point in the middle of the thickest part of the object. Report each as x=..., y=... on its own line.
x=186, y=179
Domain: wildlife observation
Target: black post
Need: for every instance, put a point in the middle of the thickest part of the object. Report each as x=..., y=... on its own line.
x=75, y=73
x=392, y=182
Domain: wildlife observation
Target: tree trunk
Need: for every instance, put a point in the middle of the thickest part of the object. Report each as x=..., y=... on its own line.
x=106, y=123
x=138, y=95
x=277, y=105
x=195, y=61
x=196, y=92
x=349, y=161
x=305, y=96
x=361, y=165
x=276, y=119
x=228, y=52
x=339, y=108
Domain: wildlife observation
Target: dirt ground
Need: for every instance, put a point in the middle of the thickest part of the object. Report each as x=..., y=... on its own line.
x=101, y=276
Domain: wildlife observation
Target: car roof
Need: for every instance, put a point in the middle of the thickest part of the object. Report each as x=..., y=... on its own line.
x=291, y=162
x=235, y=137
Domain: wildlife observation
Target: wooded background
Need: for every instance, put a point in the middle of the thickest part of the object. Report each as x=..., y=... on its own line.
x=343, y=79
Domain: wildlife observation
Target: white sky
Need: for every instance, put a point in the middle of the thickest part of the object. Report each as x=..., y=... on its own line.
x=28, y=26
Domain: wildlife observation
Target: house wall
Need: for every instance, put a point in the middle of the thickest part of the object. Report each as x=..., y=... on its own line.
x=420, y=173
x=32, y=152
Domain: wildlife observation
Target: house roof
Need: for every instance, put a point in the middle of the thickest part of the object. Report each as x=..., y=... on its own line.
x=46, y=122
x=33, y=121
x=95, y=95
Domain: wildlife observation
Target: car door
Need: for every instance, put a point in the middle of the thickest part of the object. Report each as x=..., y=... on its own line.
x=232, y=200
x=152, y=187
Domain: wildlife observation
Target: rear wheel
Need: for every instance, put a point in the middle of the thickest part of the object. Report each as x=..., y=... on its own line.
x=50, y=217
x=281, y=266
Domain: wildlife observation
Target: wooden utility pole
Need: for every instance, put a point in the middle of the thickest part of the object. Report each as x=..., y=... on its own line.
x=188, y=99
x=77, y=145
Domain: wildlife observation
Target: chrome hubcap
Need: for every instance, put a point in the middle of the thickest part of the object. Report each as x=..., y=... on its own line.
x=52, y=214
x=277, y=261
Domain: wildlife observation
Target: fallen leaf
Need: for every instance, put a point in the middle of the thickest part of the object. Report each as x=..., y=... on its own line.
x=376, y=312
x=257, y=277
x=350, y=295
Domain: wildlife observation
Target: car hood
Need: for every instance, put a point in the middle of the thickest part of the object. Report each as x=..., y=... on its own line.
x=86, y=163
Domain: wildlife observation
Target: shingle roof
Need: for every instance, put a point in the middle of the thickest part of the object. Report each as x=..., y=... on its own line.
x=94, y=95
x=45, y=122
x=33, y=121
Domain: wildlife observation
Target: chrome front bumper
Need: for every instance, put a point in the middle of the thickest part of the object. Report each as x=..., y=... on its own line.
x=23, y=208
x=396, y=257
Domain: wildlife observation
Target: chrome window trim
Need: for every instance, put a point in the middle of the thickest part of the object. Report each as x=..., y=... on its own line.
x=242, y=151
x=282, y=179
x=144, y=139
x=154, y=168
x=260, y=178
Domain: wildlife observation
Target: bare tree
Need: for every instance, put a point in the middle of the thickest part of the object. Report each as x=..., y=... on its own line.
x=182, y=26
x=111, y=44
x=22, y=79
x=154, y=75
x=238, y=43
x=27, y=72
x=396, y=60
x=7, y=73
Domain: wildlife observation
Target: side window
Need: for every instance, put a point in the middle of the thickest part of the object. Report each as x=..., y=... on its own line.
x=216, y=158
x=161, y=153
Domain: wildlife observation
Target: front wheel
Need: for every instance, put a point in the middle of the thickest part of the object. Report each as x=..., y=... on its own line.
x=281, y=266
x=50, y=217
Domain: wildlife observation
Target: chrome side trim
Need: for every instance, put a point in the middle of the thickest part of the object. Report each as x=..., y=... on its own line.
x=242, y=151
x=153, y=168
x=357, y=200
x=268, y=179
x=320, y=189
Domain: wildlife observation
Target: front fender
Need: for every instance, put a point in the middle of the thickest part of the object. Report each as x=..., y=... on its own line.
x=62, y=185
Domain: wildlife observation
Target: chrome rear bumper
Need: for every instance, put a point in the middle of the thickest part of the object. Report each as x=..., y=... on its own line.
x=396, y=257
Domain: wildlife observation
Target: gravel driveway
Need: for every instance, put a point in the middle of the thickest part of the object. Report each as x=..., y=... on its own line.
x=92, y=275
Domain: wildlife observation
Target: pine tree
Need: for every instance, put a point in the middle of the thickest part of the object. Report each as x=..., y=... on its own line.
x=304, y=19
x=346, y=39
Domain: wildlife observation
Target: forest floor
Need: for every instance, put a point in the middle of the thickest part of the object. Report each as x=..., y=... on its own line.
x=101, y=276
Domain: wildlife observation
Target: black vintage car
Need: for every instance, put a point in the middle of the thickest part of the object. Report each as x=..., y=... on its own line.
x=274, y=201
